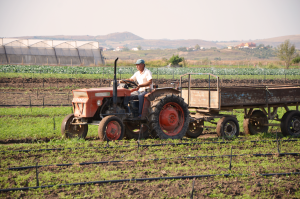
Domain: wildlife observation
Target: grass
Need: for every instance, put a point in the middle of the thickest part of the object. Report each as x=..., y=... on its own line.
x=14, y=122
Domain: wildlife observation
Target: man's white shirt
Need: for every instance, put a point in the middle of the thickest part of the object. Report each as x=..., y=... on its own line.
x=143, y=77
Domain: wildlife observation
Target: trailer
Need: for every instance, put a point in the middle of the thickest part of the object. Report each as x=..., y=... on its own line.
x=260, y=104
x=172, y=113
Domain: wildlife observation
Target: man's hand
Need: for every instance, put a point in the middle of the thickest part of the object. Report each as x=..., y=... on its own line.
x=134, y=89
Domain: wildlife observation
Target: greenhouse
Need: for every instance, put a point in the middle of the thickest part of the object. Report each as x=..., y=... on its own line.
x=50, y=52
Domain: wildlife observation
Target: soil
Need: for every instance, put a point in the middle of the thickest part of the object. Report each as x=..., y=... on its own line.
x=203, y=188
x=276, y=186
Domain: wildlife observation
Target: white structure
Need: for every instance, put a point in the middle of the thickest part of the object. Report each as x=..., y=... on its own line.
x=120, y=48
x=135, y=49
x=52, y=52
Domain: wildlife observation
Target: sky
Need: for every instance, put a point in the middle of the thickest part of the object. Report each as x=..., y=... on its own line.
x=212, y=20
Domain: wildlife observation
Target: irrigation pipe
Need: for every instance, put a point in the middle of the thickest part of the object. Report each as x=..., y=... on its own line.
x=156, y=159
x=146, y=179
x=151, y=145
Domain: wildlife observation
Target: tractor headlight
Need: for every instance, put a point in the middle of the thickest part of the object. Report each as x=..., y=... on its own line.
x=99, y=102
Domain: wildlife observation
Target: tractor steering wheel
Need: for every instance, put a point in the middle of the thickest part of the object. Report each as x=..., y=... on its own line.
x=129, y=83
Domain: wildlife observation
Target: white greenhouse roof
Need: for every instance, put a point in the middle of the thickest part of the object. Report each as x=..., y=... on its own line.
x=50, y=43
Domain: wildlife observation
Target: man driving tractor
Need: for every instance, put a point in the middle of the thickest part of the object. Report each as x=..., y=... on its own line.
x=144, y=78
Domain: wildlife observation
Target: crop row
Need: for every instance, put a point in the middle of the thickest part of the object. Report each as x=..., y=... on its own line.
x=155, y=71
x=139, y=168
x=131, y=154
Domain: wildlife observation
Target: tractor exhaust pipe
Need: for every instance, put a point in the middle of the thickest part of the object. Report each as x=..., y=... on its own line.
x=115, y=94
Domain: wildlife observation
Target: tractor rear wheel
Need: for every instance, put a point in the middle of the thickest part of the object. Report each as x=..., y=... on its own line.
x=136, y=130
x=195, y=129
x=111, y=128
x=71, y=131
x=169, y=117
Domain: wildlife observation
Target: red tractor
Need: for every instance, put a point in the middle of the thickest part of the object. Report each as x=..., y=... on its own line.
x=165, y=114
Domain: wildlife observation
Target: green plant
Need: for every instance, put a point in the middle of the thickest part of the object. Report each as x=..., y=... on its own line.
x=286, y=52
x=296, y=60
x=175, y=60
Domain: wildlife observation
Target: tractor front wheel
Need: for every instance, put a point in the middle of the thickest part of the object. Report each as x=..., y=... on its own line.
x=69, y=130
x=111, y=128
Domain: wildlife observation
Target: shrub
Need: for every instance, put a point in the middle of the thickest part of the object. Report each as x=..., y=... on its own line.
x=175, y=59
x=296, y=60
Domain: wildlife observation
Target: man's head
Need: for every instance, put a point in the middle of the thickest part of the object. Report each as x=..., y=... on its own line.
x=140, y=65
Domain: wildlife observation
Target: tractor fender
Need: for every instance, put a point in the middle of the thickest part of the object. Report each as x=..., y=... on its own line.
x=161, y=91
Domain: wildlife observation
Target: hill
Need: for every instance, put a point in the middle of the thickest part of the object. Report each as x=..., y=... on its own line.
x=123, y=36
x=275, y=41
x=119, y=36
x=131, y=40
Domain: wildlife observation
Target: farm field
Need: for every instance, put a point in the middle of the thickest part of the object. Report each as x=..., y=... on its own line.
x=31, y=135
x=152, y=162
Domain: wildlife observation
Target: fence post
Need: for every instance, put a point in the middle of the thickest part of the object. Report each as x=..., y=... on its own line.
x=30, y=103
x=284, y=76
x=37, y=175
x=230, y=159
x=53, y=123
x=173, y=73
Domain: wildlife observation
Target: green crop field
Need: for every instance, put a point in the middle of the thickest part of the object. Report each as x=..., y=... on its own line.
x=126, y=72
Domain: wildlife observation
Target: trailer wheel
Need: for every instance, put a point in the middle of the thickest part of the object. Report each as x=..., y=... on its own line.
x=254, y=124
x=132, y=131
x=111, y=128
x=195, y=129
x=228, y=126
x=169, y=117
x=290, y=124
x=71, y=131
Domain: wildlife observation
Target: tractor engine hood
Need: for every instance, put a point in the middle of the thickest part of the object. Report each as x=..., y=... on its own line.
x=85, y=100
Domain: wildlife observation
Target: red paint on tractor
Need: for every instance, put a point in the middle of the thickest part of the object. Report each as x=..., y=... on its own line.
x=113, y=130
x=92, y=95
x=171, y=118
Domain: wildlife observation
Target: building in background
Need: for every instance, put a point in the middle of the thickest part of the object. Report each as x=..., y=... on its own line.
x=250, y=45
